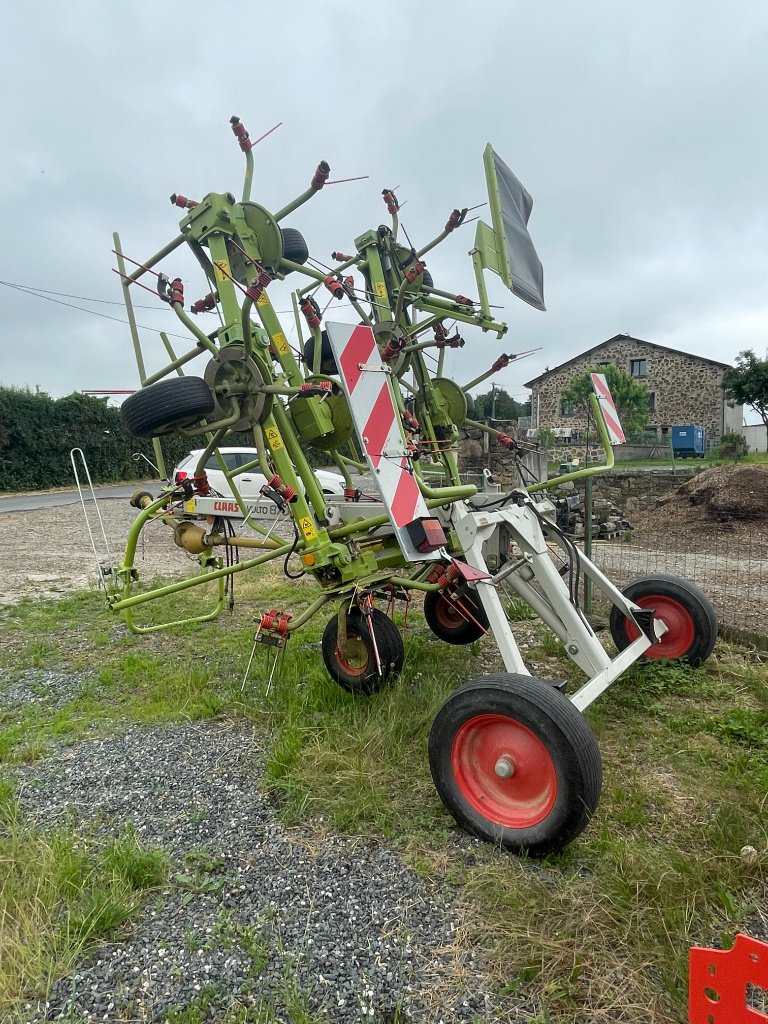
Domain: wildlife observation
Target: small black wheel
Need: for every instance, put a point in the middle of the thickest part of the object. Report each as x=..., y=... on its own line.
x=456, y=622
x=162, y=407
x=327, y=358
x=295, y=247
x=353, y=665
x=692, y=625
x=426, y=280
x=515, y=763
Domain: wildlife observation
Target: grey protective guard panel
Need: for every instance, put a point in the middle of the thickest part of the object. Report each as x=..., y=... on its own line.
x=525, y=266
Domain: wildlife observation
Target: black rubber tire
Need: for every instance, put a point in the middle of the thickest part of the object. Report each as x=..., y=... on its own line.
x=445, y=620
x=327, y=360
x=689, y=614
x=295, y=247
x=426, y=280
x=362, y=677
x=556, y=775
x=162, y=407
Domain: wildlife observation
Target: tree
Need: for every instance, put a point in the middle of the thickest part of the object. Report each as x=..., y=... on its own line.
x=499, y=405
x=747, y=383
x=630, y=396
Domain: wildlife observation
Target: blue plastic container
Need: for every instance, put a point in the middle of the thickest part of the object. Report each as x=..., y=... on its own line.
x=688, y=442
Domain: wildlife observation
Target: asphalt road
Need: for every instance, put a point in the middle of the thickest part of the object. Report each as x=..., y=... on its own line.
x=51, y=499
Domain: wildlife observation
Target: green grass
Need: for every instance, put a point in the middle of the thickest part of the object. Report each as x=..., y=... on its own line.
x=665, y=461
x=599, y=933
x=61, y=893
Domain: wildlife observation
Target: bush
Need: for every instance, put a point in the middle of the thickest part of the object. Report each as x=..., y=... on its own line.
x=37, y=434
x=732, y=446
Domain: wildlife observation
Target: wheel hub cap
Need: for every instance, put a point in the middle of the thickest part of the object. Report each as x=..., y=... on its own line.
x=504, y=771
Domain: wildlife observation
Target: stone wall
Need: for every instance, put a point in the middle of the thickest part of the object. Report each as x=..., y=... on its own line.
x=477, y=452
x=639, y=490
x=687, y=389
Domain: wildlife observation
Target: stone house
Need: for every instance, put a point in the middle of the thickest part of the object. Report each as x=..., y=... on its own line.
x=682, y=389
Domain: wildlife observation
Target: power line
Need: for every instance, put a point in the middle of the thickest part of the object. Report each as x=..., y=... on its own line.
x=93, y=312
x=42, y=292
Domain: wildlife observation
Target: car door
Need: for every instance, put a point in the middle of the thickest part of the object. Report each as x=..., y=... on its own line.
x=249, y=484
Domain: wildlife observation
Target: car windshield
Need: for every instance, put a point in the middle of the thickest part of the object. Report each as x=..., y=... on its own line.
x=231, y=460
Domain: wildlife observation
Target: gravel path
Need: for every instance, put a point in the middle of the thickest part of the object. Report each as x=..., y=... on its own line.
x=343, y=919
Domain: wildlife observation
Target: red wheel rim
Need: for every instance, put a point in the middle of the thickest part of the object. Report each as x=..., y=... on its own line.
x=448, y=615
x=488, y=742
x=681, y=630
x=353, y=660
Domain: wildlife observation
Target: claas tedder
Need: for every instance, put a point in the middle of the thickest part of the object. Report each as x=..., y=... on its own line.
x=512, y=756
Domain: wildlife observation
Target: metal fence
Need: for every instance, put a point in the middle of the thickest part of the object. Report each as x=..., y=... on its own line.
x=712, y=530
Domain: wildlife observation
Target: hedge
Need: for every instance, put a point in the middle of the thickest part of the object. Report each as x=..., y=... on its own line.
x=37, y=434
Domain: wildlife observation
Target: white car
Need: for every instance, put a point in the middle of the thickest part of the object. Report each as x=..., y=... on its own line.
x=249, y=484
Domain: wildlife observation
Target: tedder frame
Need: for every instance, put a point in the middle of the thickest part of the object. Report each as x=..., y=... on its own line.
x=512, y=756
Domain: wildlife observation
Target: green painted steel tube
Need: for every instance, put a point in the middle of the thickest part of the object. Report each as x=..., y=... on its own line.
x=207, y=617
x=581, y=474
x=196, y=581
x=588, y=542
x=307, y=614
x=478, y=380
x=338, y=462
x=357, y=526
x=454, y=312
x=261, y=451
x=175, y=364
x=302, y=269
x=445, y=495
x=245, y=324
x=431, y=245
x=296, y=454
x=208, y=450
x=297, y=320
x=165, y=251
x=477, y=263
x=411, y=584
x=192, y=327
x=124, y=281
x=354, y=463
x=296, y=203
x=248, y=180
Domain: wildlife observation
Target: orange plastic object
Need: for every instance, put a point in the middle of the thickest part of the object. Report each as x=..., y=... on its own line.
x=718, y=980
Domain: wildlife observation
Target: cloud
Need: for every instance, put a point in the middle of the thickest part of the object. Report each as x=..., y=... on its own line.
x=638, y=129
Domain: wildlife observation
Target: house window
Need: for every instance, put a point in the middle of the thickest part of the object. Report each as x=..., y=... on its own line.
x=566, y=408
x=638, y=368
x=651, y=401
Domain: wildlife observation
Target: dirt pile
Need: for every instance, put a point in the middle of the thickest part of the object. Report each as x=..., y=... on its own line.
x=725, y=493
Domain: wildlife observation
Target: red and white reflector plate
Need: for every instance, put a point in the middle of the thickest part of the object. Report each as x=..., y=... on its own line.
x=366, y=382
x=608, y=408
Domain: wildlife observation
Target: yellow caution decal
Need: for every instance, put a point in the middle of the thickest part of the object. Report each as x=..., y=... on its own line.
x=273, y=438
x=281, y=345
x=381, y=289
x=307, y=528
x=223, y=270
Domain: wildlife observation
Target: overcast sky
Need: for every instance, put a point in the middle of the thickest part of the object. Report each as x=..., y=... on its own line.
x=638, y=128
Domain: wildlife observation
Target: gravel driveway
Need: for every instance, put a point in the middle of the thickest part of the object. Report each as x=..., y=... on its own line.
x=361, y=935
x=357, y=932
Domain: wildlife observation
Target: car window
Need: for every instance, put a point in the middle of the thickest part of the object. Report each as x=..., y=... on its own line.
x=243, y=458
x=230, y=461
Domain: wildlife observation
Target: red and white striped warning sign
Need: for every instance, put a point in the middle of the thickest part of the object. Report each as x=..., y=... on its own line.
x=608, y=408
x=366, y=382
